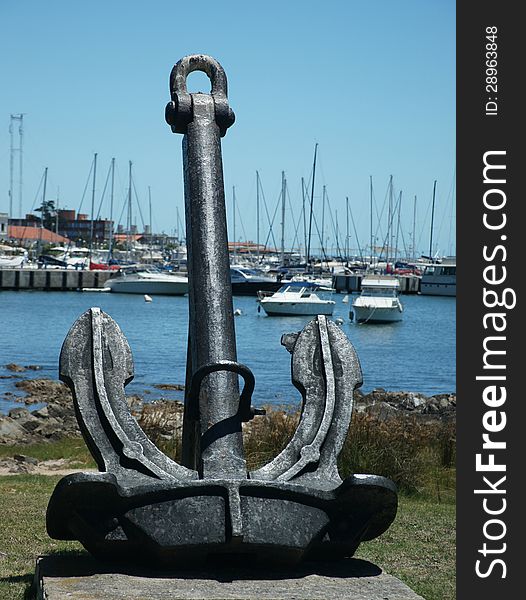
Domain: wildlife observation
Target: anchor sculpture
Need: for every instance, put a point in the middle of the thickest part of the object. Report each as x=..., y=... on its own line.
x=142, y=506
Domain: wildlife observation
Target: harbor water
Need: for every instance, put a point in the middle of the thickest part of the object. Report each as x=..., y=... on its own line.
x=416, y=354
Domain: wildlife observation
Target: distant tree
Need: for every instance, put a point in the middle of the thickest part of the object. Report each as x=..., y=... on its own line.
x=48, y=213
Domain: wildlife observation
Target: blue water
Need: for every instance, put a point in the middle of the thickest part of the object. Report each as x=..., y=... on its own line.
x=416, y=354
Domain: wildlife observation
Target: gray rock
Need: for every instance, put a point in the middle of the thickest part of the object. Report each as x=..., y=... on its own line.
x=382, y=411
x=11, y=430
x=19, y=413
x=41, y=413
x=22, y=458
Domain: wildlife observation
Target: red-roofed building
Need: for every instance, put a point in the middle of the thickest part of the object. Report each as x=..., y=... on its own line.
x=124, y=237
x=25, y=235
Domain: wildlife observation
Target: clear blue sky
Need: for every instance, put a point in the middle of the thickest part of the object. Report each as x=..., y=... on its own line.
x=372, y=82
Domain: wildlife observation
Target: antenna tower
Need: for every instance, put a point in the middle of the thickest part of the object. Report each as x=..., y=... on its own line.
x=14, y=149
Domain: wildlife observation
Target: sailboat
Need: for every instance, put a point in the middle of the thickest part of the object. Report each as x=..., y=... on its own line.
x=146, y=281
x=107, y=265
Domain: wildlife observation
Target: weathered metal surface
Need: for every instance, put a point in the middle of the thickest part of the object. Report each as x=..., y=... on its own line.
x=296, y=506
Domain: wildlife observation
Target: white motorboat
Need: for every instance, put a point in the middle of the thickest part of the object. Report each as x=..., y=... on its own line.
x=379, y=301
x=149, y=282
x=296, y=299
x=12, y=257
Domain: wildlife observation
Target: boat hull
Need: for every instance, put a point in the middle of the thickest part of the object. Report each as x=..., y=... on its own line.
x=438, y=289
x=286, y=309
x=165, y=287
x=363, y=314
x=251, y=288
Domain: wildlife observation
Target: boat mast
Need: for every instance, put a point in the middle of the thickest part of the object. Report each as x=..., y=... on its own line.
x=257, y=217
x=389, y=221
x=129, y=224
x=311, y=204
x=347, y=231
x=414, y=225
x=56, y=210
x=371, y=211
x=234, y=219
x=42, y=214
x=398, y=225
x=356, y=236
x=150, y=217
x=110, y=241
x=92, y=205
x=432, y=219
x=337, y=233
x=283, y=199
x=323, y=195
x=304, y=215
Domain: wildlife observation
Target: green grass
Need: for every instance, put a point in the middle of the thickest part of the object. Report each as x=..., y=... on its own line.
x=23, y=534
x=419, y=547
x=72, y=448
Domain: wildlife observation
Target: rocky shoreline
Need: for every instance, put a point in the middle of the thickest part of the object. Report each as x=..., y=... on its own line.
x=56, y=419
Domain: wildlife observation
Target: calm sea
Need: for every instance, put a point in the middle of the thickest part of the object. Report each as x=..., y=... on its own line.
x=416, y=354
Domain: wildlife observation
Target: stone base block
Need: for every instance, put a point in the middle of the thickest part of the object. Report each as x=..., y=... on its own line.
x=83, y=578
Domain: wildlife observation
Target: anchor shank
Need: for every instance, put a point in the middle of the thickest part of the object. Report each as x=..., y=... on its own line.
x=211, y=329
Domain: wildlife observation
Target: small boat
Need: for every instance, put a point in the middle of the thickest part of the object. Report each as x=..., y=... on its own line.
x=12, y=257
x=293, y=299
x=149, y=282
x=102, y=266
x=248, y=282
x=379, y=301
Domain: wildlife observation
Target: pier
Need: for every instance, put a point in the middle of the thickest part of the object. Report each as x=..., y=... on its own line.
x=409, y=284
x=59, y=280
x=74, y=280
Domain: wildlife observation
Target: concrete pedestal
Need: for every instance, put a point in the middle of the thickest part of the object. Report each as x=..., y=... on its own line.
x=82, y=578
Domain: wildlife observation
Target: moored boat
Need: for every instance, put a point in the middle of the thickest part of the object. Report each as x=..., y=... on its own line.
x=12, y=257
x=149, y=282
x=379, y=301
x=248, y=282
x=439, y=279
x=296, y=299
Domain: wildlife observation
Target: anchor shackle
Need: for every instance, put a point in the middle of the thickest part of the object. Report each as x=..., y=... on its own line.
x=179, y=111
